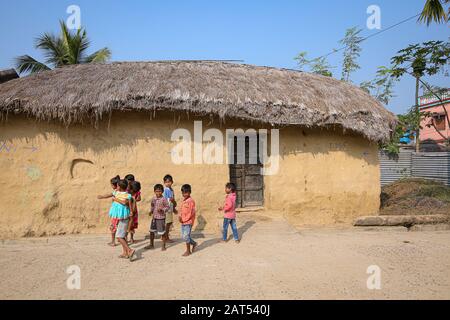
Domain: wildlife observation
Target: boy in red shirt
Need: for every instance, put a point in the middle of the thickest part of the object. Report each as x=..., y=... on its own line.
x=187, y=218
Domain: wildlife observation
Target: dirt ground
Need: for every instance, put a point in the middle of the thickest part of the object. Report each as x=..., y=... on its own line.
x=273, y=261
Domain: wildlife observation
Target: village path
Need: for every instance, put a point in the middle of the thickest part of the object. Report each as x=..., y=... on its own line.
x=273, y=261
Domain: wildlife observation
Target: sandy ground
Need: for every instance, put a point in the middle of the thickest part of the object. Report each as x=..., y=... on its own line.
x=273, y=261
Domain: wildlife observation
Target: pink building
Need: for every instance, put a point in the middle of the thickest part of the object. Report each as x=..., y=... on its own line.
x=428, y=134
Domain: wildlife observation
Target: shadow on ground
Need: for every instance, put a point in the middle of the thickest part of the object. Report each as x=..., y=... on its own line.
x=140, y=245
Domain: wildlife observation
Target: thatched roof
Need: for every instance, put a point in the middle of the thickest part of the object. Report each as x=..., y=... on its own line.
x=275, y=96
x=8, y=74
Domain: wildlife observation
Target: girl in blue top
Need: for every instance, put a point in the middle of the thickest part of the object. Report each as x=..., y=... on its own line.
x=121, y=209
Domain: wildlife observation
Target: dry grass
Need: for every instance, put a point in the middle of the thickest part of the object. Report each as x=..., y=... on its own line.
x=415, y=196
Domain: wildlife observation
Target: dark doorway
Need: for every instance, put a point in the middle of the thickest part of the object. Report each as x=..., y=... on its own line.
x=245, y=171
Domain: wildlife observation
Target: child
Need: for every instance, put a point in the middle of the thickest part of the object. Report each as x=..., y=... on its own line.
x=170, y=197
x=114, y=221
x=158, y=209
x=229, y=210
x=122, y=209
x=130, y=179
x=135, y=190
x=187, y=218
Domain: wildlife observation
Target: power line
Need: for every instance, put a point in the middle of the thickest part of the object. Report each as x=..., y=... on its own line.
x=372, y=35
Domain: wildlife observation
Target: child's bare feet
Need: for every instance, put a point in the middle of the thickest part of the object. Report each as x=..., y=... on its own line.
x=237, y=241
x=112, y=244
x=186, y=254
x=123, y=256
x=163, y=248
x=149, y=247
x=193, y=247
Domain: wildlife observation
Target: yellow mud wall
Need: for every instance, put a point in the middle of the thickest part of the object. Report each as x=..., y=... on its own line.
x=51, y=174
x=324, y=178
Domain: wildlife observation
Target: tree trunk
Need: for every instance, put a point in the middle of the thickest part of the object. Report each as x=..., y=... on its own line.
x=417, y=112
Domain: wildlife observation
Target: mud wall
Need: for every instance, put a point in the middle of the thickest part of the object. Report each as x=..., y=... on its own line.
x=324, y=178
x=52, y=174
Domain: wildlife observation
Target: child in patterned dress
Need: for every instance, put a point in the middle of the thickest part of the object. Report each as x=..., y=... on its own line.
x=135, y=190
x=159, y=207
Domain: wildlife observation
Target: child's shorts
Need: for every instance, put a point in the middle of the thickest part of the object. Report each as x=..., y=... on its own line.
x=113, y=225
x=169, y=217
x=158, y=226
x=186, y=233
x=122, y=228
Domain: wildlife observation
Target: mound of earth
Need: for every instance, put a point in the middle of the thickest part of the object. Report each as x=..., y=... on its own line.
x=414, y=196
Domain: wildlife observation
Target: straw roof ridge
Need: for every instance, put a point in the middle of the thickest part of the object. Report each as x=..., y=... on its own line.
x=269, y=95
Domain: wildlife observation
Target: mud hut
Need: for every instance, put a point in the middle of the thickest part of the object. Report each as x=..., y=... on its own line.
x=66, y=132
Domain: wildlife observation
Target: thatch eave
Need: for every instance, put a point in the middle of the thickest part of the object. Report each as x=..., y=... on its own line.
x=278, y=97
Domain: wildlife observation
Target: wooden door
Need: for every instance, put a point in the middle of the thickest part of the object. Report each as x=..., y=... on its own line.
x=247, y=176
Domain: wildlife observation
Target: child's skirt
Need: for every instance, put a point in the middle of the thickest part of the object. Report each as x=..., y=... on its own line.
x=134, y=224
x=119, y=211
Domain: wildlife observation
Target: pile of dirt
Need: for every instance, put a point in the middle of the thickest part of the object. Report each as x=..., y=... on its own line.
x=414, y=196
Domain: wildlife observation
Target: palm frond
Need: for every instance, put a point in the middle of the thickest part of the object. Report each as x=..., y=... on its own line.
x=73, y=44
x=78, y=44
x=66, y=49
x=433, y=11
x=54, y=49
x=101, y=55
x=27, y=63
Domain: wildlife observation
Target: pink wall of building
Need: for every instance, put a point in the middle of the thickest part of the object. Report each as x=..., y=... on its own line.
x=432, y=105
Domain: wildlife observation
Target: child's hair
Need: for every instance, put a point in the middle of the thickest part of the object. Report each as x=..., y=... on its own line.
x=115, y=180
x=231, y=186
x=186, y=188
x=135, y=186
x=123, y=184
x=158, y=187
x=129, y=177
x=168, y=177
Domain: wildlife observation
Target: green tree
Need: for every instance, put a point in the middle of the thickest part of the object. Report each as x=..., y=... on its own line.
x=434, y=11
x=419, y=60
x=318, y=65
x=66, y=49
x=352, y=51
x=408, y=122
x=381, y=88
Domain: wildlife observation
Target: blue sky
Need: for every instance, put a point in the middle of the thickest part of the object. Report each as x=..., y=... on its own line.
x=261, y=32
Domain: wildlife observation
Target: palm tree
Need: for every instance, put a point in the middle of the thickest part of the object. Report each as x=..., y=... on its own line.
x=434, y=11
x=65, y=49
